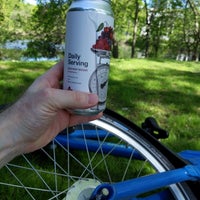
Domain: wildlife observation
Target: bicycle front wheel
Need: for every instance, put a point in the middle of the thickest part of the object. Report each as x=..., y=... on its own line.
x=110, y=149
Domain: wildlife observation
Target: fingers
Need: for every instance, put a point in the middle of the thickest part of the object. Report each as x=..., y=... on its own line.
x=56, y=70
x=55, y=74
x=65, y=99
x=51, y=79
x=47, y=87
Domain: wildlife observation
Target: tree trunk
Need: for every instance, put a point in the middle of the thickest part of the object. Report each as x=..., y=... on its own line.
x=197, y=29
x=115, y=51
x=149, y=17
x=135, y=27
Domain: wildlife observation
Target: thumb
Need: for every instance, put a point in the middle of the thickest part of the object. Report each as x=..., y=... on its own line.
x=71, y=99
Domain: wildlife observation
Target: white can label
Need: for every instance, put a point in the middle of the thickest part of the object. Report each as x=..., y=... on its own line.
x=89, y=37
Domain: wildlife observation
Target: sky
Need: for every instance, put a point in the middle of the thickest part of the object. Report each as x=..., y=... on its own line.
x=31, y=1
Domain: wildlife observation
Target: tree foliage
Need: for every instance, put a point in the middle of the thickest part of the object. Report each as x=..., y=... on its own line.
x=48, y=27
x=164, y=27
x=14, y=20
x=157, y=28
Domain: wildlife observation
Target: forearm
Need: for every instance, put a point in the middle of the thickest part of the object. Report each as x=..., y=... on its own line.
x=9, y=146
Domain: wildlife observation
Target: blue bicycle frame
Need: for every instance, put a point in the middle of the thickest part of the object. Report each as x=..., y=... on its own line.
x=79, y=143
x=118, y=191
x=137, y=186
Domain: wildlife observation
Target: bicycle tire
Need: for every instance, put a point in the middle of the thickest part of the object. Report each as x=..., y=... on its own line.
x=168, y=159
x=160, y=157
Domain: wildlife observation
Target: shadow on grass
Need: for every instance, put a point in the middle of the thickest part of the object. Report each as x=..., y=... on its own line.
x=131, y=94
x=166, y=90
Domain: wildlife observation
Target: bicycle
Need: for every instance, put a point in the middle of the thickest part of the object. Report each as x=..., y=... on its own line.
x=78, y=165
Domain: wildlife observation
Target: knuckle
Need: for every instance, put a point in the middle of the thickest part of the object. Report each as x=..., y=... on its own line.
x=47, y=92
x=79, y=98
x=44, y=95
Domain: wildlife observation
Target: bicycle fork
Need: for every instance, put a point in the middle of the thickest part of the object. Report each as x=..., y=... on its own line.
x=129, y=189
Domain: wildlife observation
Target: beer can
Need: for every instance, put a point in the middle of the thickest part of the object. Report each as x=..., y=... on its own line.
x=89, y=35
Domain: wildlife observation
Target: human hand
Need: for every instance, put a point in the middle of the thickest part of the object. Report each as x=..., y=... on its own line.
x=42, y=112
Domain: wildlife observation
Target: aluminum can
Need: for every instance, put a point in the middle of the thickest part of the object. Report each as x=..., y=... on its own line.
x=89, y=35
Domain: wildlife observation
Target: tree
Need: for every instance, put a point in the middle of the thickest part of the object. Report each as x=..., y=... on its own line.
x=195, y=5
x=156, y=27
x=120, y=27
x=135, y=27
x=2, y=21
x=185, y=37
x=14, y=24
x=48, y=26
x=127, y=20
x=14, y=19
x=149, y=18
x=160, y=19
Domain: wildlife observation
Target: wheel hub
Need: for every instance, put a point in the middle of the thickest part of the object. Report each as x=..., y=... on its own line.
x=82, y=189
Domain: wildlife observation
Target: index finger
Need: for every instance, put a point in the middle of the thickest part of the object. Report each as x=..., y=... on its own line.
x=55, y=74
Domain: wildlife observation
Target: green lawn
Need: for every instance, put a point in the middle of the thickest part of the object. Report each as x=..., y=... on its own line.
x=167, y=90
x=15, y=77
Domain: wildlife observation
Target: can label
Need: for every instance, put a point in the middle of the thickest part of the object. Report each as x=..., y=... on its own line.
x=89, y=38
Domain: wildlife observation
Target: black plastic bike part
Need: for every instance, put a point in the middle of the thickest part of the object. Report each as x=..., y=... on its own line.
x=151, y=126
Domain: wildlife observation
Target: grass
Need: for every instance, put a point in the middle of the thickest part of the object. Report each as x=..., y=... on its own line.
x=167, y=90
x=15, y=77
x=138, y=88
